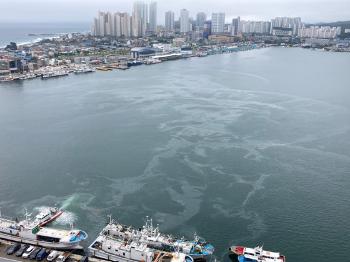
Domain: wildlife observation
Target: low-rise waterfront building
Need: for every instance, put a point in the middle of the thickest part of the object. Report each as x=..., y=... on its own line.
x=142, y=52
x=218, y=39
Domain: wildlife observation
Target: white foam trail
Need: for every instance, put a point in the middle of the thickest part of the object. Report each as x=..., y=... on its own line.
x=252, y=75
x=66, y=203
x=67, y=218
x=42, y=209
x=258, y=185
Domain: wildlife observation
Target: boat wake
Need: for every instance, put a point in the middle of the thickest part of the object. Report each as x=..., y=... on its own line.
x=67, y=218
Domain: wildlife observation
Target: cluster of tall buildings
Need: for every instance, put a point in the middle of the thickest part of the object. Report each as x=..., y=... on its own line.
x=253, y=27
x=294, y=23
x=319, y=32
x=143, y=22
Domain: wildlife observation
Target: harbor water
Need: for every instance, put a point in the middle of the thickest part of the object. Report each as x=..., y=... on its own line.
x=250, y=148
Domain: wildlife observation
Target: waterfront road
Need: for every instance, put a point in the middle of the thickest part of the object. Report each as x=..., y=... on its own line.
x=4, y=259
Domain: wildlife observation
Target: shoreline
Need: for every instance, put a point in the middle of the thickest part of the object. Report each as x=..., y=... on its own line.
x=61, y=71
x=61, y=54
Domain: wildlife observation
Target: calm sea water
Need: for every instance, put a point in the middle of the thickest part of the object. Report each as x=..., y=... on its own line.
x=18, y=32
x=247, y=148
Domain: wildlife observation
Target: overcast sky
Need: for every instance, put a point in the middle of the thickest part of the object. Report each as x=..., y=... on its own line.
x=85, y=10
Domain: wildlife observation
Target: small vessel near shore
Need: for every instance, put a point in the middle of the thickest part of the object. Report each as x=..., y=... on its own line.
x=104, y=68
x=28, y=76
x=134, y=63
x=152, y=61
x=49, y=75
x=118, y=242
x=84, y=70
x=257, y=254
x=47, y=216
x=32, y=232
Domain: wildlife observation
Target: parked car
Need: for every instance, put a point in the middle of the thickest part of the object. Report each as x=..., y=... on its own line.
x=84, y=259
x=13, y=248
x=53, y=255
x=35, y=252
x=41, y=255
x=28, y=251
x=63, y=257
x=20, y=251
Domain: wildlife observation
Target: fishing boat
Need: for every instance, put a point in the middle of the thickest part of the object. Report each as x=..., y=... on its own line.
x=49, y=75
x=31, y=232
x=153, y=238
x=47, y=216
x=257, y=254
x=84, y=70
x=128, y=248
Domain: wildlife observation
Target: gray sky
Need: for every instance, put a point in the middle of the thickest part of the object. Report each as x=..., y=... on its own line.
x=85, y=10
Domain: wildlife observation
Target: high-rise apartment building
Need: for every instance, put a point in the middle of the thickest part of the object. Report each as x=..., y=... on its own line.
x=125, y=25
x=109, y=24
x=235, y=26
x=324, y=32
x=218, y=23
x=101, y=24
x=287, y=22
x=255, y=27
x=184, y=21
x=139, y=19
x=200, y=20
x=170, y=21
x=152, y=25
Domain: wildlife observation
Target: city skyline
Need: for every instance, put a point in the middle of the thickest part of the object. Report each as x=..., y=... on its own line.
x=143, y=22
x=311, y=11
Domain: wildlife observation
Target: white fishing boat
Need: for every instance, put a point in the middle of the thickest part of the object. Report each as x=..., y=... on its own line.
x=257, y=254
x=31, y=232
x=47, y=216
x=150, y=237
x=117, y=249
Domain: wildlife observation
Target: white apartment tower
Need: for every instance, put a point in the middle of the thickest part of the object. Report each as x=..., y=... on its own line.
x=101, y=24
x=201, y=19
x=218, y=23
x=184, y=21
x=170, y=21
x=125, y=25
x=139, y=19
x=152, y=26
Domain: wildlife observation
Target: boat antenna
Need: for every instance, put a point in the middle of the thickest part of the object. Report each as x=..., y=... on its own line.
x=157, y=229
x=110, y=218
x=196, y=238
x=27, y=215
x=177, y=249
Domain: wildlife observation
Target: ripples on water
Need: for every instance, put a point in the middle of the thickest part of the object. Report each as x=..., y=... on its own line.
x=232, y=147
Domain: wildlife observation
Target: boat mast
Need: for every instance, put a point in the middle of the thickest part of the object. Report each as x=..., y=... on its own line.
x=27, y=215
x=110, y=219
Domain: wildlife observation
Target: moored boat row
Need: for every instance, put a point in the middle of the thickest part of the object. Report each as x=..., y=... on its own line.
x=120, y=243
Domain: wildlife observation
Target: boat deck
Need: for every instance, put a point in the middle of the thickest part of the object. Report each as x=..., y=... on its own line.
x=6, y=223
